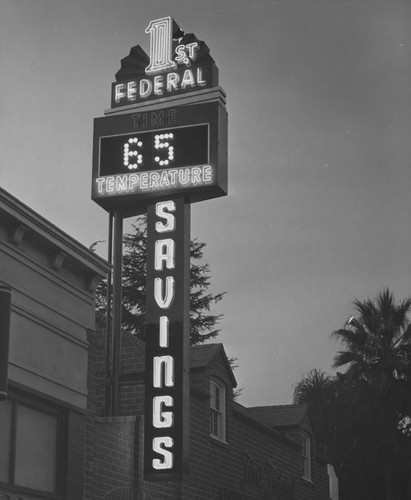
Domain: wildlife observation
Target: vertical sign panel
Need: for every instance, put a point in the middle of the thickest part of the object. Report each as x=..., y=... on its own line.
x=167, y=342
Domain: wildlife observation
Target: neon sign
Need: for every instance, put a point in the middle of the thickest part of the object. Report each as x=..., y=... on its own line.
x=137, y=90
x=158, y=155
x=177, y=63
x=155, y=182
x=167, y=316
x=142, y=156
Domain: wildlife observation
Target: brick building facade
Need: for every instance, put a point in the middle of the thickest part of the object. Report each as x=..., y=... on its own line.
x=237, y=454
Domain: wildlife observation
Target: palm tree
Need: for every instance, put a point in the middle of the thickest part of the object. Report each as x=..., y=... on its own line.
x=333, y=407
x=377, y=355
x=377, y=350
x=317, y=390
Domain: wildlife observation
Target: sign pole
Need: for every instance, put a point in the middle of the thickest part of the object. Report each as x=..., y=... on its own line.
x=108, y=316
x=117, y=299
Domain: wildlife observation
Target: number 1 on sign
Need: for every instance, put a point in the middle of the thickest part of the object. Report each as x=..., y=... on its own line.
x=161, y=39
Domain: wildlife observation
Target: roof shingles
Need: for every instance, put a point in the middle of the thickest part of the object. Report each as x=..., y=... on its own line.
x=279, y=416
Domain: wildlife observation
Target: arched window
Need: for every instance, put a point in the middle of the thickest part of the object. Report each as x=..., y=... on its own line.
x=217, y=410
x=306, y=454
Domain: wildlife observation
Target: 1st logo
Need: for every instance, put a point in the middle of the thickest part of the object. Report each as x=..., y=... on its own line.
x=161, y=47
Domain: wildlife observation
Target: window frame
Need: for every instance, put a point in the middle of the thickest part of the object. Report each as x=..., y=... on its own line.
x=221, y=434
x=306, y=453
x=17, y=398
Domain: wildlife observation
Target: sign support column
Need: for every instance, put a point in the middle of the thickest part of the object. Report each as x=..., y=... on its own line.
x=107, y=407
x=117, y=299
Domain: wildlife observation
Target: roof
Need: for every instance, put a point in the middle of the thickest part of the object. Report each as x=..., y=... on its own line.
x=279, y=416
x=202, y=355
x=25, y=220
x=244, y=412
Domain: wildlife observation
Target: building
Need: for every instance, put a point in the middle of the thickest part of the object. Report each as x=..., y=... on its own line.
x=236, y=453
x=51, y=278
x=57, y=442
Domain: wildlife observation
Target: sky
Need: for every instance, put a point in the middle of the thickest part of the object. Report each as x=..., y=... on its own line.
x=319, y=205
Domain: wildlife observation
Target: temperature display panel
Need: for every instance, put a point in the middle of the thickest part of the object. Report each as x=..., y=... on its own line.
x=150, y=154
x=153, y=150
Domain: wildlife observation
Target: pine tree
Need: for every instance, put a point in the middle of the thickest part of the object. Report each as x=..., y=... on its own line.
x=202, y=322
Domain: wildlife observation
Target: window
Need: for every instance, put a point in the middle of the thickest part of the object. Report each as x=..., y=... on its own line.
x=29, y=451
x=306, y=454
x=217, y=410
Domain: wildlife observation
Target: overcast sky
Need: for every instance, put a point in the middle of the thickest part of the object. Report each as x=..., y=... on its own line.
x=318, y=212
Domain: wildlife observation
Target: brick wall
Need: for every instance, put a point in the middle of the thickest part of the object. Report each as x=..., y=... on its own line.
x=111, y=471
x=255, y=463
x=132, y=375
x=112, y=443
x=116, y=442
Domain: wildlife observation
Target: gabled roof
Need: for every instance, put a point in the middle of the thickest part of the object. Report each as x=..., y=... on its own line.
x=245, y=413
x=279, y=416
x=202, y=355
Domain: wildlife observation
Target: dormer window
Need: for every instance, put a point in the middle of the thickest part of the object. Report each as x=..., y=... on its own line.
x=217, y=410
x=306, y=454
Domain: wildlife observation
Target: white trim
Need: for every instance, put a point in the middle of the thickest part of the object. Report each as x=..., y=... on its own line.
x=218, y=410
x=306, y=454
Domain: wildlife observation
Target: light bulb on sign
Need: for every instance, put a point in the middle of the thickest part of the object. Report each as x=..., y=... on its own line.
x=162, y=141
x=154, y=150
x=132, y=153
